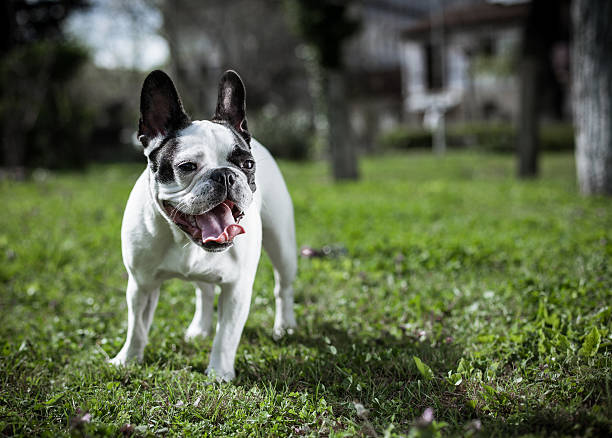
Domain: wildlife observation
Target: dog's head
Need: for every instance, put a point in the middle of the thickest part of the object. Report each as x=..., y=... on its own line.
x=203, y=172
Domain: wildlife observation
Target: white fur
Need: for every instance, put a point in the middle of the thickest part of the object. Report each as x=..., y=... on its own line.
x=155, y=249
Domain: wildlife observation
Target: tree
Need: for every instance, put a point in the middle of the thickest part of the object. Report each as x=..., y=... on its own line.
x=207, y=37
x=546, y=24
x=325, y=26
x=592, y=94
x=533, y=51
x=40, y=125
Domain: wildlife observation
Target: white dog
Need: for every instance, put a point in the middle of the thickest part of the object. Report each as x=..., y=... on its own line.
x=208, y=198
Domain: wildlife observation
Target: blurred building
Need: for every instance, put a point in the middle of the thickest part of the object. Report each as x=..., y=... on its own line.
x=460, y=56
x=377, y=69
x=374, y=69
x=464, y=58
x=461, y=59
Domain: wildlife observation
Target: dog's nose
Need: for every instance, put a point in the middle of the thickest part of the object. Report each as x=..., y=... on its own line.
x=223, y=176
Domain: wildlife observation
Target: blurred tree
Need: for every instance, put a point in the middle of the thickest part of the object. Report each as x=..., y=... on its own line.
x=325, y=25
x=544, y=26
x=40, y=124
x=28, y=21
x=592, y=94
x=206, y=37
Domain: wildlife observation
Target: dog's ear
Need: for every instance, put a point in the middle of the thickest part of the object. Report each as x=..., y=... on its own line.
x=161, y=109
x=231, y=103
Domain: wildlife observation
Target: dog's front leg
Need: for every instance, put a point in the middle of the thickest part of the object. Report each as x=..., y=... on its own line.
x=233, y=310
x=201, y=324
x=141, y=303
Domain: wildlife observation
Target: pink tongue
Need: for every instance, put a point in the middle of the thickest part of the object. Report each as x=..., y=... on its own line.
x=218, y=225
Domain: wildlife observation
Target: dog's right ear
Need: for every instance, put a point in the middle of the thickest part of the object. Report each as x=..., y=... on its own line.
x=161, y=109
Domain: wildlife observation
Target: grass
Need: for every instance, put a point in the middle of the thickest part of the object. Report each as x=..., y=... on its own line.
x=451, y=289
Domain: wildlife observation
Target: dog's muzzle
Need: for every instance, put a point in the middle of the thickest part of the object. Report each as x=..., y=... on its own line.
x=214, y=229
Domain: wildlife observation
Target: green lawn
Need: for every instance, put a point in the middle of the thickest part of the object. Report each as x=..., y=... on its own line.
x=501, y=289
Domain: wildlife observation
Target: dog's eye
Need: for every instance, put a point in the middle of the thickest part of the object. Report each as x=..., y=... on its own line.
x=187, y=166
x=248, y=164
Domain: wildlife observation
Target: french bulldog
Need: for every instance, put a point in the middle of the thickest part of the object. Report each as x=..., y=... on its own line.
x=210, y=196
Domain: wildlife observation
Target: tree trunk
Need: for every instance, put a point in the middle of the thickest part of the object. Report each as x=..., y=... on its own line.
x=527, y=146
x=533, y=54
x=592, y=94
x=342, y=149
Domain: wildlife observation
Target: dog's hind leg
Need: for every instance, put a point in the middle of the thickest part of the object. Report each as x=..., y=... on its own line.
x=283, y=255
x=278, y=236
x=201, y=325
x=284, y=318
x=279, y=243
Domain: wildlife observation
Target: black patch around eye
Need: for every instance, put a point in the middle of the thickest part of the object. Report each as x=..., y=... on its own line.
x=153, y=160
x=248, y=164
x=239, y=157
x=165, y=157
x=243, y=159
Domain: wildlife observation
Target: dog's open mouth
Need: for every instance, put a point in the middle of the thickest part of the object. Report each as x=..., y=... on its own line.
x=215, y=229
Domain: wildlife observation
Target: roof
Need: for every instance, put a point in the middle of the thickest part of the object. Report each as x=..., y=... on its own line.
x=412, y=8
x=469, y=16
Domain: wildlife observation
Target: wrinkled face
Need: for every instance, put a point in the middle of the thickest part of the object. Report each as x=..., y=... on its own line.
x=203, y=171
x=205, y=181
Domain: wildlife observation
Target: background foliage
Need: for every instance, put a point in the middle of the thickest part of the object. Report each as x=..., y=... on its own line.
x=482, y=136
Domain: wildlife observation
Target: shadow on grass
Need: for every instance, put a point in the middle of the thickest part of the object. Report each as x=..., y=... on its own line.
x=379, y=371
x=376, y=370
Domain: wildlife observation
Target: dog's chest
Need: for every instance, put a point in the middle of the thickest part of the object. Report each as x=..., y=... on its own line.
x=191, y=263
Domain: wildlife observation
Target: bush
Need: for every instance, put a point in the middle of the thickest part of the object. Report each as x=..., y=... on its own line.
x=404, y=137
x=557, y=137
x=494, y=137
x=287, y=136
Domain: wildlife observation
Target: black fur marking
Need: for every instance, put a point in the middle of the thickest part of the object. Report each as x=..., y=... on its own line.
x=153, y=160
x=153, y=155
x=161, y=160
x=238, y=156
x=161, y=109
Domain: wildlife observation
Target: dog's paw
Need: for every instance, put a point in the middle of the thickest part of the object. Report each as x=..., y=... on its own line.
x=119, y=361
x=194, y=332
x=124, y=358
x=220, y=376
x=281, y=330
x=284, y=323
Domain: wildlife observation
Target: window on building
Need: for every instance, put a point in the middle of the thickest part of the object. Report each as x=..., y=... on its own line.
x=487, y=47
x=433, y=59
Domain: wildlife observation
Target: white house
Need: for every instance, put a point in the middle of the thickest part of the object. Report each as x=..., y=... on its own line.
x=458, y=60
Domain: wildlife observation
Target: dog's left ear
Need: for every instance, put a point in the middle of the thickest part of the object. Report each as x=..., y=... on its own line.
x=161, y=109
x=231, y=103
